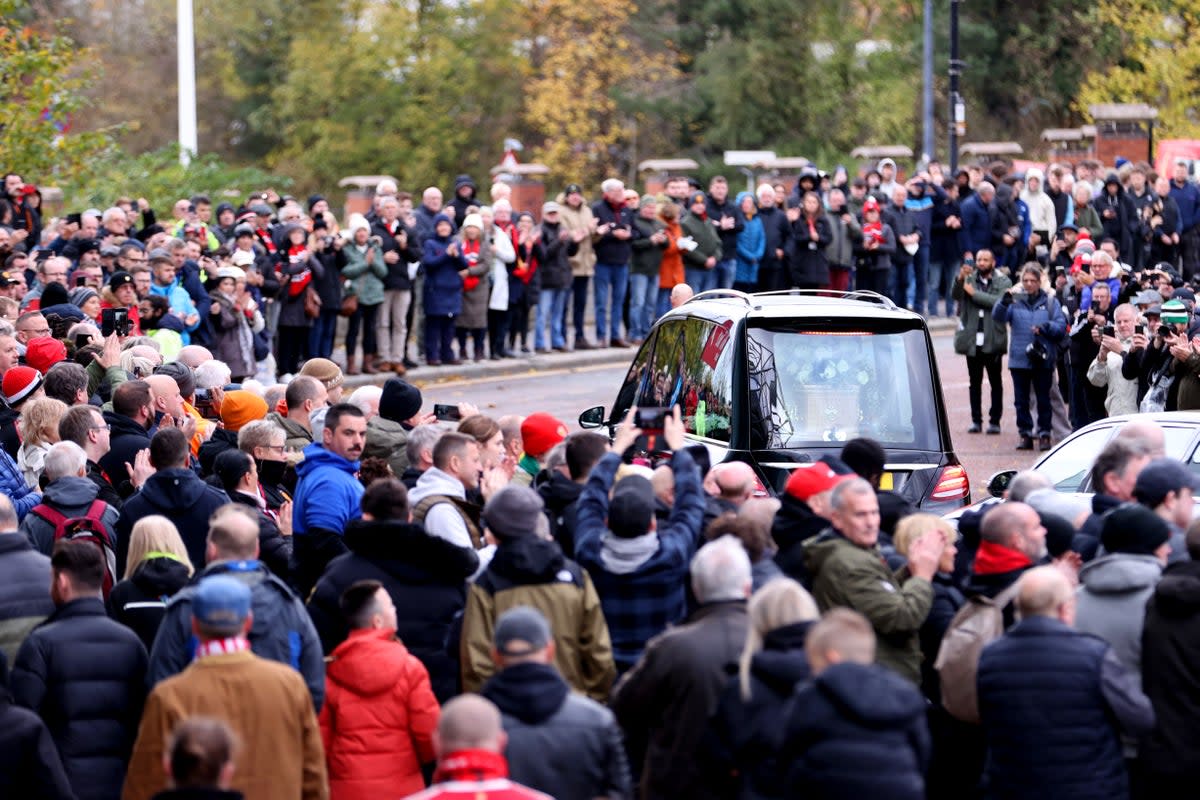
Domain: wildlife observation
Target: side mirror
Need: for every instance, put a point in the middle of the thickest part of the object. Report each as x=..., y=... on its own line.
x=592, y=418
x=998, y=483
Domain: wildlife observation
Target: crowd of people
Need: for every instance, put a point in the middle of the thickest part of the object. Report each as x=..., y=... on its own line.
x=217, y=584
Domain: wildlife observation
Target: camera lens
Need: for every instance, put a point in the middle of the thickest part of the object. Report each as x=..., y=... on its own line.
x=1164, y=331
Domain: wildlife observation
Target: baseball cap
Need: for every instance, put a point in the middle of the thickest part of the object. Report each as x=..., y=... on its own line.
x=1160, y=476
x=812, y=479
x=631, y=507
x=521, y=631
x=550, y=207
x=221, y=603
x=513, y=511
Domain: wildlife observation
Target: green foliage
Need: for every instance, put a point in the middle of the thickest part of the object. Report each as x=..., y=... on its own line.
x=43, y=84
x=160, y=178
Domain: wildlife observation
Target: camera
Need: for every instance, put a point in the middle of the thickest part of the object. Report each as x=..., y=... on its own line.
x=1139, y=329
x=204, y=404
x=1164, y=331
x=1109, y=330
x=1037, y=354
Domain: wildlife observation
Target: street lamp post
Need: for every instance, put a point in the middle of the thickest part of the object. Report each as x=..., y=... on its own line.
x=186, y=68
x=927, y=143
x=958, y=111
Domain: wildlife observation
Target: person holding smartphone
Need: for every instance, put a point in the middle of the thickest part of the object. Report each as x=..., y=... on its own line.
x=1120, y=393
x=977, y=289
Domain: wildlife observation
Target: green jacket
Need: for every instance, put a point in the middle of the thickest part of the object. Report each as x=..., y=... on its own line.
x=995, y=334
x=1089, y=218
x=298, y=437
x=387, y=439
x=366, y=277
x=847, y=575
x=707, y=239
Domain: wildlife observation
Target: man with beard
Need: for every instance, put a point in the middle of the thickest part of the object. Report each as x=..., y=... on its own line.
x=157, y=322
x=328, y=494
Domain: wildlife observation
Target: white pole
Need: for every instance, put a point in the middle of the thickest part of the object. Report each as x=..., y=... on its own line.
x=188, y=145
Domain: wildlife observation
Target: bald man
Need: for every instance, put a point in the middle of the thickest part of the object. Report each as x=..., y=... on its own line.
x=1146, y=435
x=469, y=743
x=165, y=396
x=729, y=485
x=1054, y=702
x=194, y=355
x=681, y=294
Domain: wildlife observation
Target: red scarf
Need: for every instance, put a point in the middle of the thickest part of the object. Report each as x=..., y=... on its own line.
x=470, y=252
x=993, y=559
x=471, y=765
x=298, y=254
x=264, y=236
x=526, y=264
x=221, y=647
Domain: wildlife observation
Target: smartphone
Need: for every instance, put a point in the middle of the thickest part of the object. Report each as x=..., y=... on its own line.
x=42, y=255
x=108, y=322
x=75, y=219
x=1139, y=329
x=1109, y=330
x=651, y=419
x=82, y=340
x=447, y=413
x=80, y=280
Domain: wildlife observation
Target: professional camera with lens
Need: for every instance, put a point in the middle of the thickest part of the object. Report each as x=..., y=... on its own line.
x=1037, y=354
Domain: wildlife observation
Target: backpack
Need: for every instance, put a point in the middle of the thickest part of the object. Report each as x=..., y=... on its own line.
x=978, y=622
x=88, y=528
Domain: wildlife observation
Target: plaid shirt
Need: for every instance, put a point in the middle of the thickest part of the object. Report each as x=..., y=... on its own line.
x=639, y=605
x=12, y=484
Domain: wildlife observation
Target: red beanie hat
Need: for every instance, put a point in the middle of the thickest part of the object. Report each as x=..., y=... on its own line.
x=540, y=432
x=19, y=383
x=44, y=352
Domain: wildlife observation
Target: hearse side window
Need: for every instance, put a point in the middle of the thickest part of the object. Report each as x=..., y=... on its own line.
x=692, y=367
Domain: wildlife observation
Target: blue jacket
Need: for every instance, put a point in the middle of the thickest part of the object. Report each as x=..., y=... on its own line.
x=1048, y=700
x=443, y=284
x=751, y=244
x=1187, y=197
x=328, y=495
x=976, y=225
x=182, y=305
x=13, y=484
x=856, y=730
x=1085, y=297
x=641, y=603
x=1043, y=311
x=281, y=631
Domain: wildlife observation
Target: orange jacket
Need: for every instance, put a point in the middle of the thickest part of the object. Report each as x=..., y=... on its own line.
x=378, y=719
x=670, y=272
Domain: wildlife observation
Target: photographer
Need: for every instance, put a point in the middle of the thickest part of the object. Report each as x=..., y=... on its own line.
x=1105, y=370
x=1038, y=325
x=1094, y=313
x=1153, y=358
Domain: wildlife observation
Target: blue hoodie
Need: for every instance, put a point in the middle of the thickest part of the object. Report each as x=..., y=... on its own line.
x=751, y=244
x=328, y=495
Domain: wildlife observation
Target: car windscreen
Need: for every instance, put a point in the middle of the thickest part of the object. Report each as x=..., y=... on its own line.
x=814, y=387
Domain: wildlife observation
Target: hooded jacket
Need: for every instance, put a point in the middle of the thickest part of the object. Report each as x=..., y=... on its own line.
x=24, y=592
x=85, y=675
x=444, y=520
x=751, y=242
x=426, y=577
x=298, y=436
x=530, y=571
x=378, y=720
x=976, y=224
x=555, y=270
x=808, y=264
x=1118, y=217
x=181, y=497
x=795, y=523
x=328, y=495
x=853, y=716
x=282, y=630
x=708, y=243
x=443, y=284
x=1024, y=313
x=845, y=574
x=1111, y=602
x=742, y=744
x=459, y=203
x=387, y=439
x=1171, y=675
x=560, y=494
x=140, y=601
x=560, y=743
x=71, y=496
x=1042, y=216
x=975, y=315
x=127, y=438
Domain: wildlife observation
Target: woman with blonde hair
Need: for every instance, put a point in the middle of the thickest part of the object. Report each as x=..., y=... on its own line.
x=156, y=568
x=739, y=757
x=39, y=430
x=948, y=596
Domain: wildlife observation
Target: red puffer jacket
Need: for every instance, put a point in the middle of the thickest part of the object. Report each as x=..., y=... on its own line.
x=378, y=719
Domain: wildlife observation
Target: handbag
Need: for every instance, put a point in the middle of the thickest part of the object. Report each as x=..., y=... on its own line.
x=312, y=303
x=349, y=305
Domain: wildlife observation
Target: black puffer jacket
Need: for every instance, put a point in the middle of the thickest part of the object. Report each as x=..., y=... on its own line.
x=29, y=762
x=856, y=731
x=427, y=579
x=795, y=523
x=740, y=748
x=24, y=592
x=274, y=549
x=139, y=601
x=85, y=675
x=126, y=440
x=559, y=494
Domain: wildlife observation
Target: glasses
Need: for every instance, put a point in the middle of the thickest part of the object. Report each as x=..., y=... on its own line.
x=38, y=331
x=105, y=427
x=279, y=447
